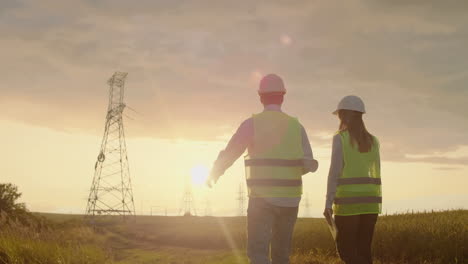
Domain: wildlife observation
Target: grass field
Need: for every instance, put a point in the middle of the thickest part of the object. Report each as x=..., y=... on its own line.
x=429, y=238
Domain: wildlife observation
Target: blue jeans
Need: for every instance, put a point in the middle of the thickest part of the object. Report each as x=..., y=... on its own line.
x=267, y=223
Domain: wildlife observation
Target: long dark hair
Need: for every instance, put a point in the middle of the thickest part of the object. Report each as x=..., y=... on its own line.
x=352, y=122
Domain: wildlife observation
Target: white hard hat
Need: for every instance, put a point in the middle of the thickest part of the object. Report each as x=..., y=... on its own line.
x=351, y=102
x=271, y=83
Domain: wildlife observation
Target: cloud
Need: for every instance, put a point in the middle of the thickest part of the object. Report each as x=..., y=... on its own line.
x=448, y=168
x=191, y=64
x=441, y=160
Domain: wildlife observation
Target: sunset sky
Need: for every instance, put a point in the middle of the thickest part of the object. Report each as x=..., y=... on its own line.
x=194, y=68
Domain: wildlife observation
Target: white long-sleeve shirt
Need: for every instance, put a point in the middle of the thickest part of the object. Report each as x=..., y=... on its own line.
x=243, y=138
x=336, y=167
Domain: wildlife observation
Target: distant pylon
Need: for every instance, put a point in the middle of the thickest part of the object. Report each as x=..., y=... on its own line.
x=188, y=203
x=160, y=208
x=241, y=199
x=208, y=211
x=111, y=190
x=307, y=206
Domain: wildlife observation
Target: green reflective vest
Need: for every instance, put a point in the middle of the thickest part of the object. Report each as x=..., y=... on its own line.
x=359, y=186
x=274, y=164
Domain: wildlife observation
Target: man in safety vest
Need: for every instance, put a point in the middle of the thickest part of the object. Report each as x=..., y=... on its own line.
x=279, y=153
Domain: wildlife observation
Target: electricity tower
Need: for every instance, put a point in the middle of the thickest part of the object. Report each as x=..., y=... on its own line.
x=111, y=190
x=188, y=203
x=241, y=199
x=307, y=206
x=208, y=211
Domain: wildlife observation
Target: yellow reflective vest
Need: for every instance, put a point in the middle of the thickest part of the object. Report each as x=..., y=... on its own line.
x=274, y=164
x=359, y=185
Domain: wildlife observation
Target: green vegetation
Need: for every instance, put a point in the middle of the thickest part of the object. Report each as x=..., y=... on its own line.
x=422, y=238
x=27, y=238
x=40, y=241
x=431, y=237
x=9, y=204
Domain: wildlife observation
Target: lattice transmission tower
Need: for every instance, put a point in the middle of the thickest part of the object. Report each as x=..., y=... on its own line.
x=307, y=206
x=241, y=199
x=188, y=202
x=111, y=190
x=208, y=210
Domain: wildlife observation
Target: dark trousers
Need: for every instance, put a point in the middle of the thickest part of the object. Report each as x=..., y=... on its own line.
x=269, y=224
x=354, y=239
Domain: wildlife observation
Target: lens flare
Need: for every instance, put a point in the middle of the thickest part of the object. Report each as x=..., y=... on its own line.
x=199, y=174
x=256, y=76
x=286, y=40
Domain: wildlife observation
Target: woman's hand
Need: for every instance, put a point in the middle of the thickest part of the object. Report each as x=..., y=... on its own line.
x=328, y=213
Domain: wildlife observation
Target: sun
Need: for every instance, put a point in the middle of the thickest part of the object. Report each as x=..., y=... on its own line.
x=199, y=174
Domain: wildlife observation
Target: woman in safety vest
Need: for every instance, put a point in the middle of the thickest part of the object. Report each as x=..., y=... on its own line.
x=354, y=192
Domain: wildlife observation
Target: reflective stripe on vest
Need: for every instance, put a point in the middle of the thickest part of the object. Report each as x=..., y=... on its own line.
x=359, y=185
x=273, y=182
x=363, y=180
x=274, y=164
x=358, y=200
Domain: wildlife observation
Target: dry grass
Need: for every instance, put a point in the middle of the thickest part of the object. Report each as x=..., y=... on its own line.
x=423, y=238
x=37, y=241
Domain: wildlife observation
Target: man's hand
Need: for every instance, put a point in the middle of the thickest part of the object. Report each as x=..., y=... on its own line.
x=309, y=165
x=212, y=179
x=328, y=213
